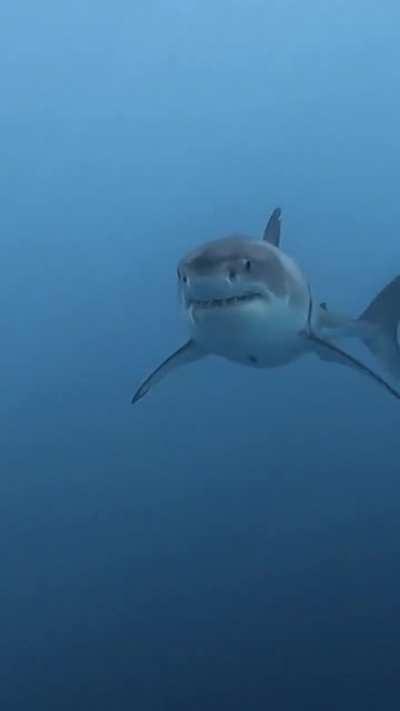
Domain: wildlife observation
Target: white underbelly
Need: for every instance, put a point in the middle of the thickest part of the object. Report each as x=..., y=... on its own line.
x=258, y=333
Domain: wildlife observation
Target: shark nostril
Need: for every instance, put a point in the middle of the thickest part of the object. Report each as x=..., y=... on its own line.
x=232, y=274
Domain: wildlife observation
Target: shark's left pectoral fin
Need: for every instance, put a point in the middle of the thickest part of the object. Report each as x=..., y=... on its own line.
x=330, y=352
x=188, y=353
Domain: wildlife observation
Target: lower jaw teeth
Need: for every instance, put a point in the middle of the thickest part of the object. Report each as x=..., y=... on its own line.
x=218, y=303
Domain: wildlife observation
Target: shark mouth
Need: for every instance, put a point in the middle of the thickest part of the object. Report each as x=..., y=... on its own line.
x=220, y=303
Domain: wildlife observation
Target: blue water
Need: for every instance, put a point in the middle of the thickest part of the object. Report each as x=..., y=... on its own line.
x=233, y=540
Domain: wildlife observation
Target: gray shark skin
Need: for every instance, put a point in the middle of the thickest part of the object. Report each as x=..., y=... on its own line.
x=247, y=301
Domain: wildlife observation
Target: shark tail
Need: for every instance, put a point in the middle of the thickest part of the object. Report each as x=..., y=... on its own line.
x=380, y=327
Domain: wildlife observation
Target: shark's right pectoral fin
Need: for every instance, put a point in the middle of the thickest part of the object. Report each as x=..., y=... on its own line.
x=188, y=353
x=329, y=351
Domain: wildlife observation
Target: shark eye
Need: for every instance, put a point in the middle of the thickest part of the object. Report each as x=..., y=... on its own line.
x=247, y=265
x=181, y=276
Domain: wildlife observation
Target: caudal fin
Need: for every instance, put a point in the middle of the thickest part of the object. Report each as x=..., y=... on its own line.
x=382, y=327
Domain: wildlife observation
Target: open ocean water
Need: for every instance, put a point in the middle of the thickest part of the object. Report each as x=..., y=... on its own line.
x=232, y=542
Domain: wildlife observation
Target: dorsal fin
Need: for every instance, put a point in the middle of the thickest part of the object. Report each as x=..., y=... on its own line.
x=272, y=232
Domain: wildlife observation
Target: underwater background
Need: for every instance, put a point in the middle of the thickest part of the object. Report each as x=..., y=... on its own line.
x=233, y=540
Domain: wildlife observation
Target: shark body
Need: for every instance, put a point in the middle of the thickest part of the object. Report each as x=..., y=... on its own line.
x=247, y=301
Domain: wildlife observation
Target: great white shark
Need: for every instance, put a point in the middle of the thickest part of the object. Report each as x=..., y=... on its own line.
x=247, y=301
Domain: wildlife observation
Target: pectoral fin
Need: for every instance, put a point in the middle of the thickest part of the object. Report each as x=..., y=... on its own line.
x=330, y=352
x=188, y=353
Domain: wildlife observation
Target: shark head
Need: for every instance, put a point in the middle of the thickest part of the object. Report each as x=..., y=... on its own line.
x=229, y=275
x=240, y=297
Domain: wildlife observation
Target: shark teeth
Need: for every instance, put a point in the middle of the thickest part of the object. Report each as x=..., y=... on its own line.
x=219, y=303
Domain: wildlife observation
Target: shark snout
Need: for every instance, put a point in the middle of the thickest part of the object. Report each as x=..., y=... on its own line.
x=205, y=281
x=205, y=288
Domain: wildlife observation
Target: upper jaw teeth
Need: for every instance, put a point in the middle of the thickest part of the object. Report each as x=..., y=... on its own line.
x=215, y=303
